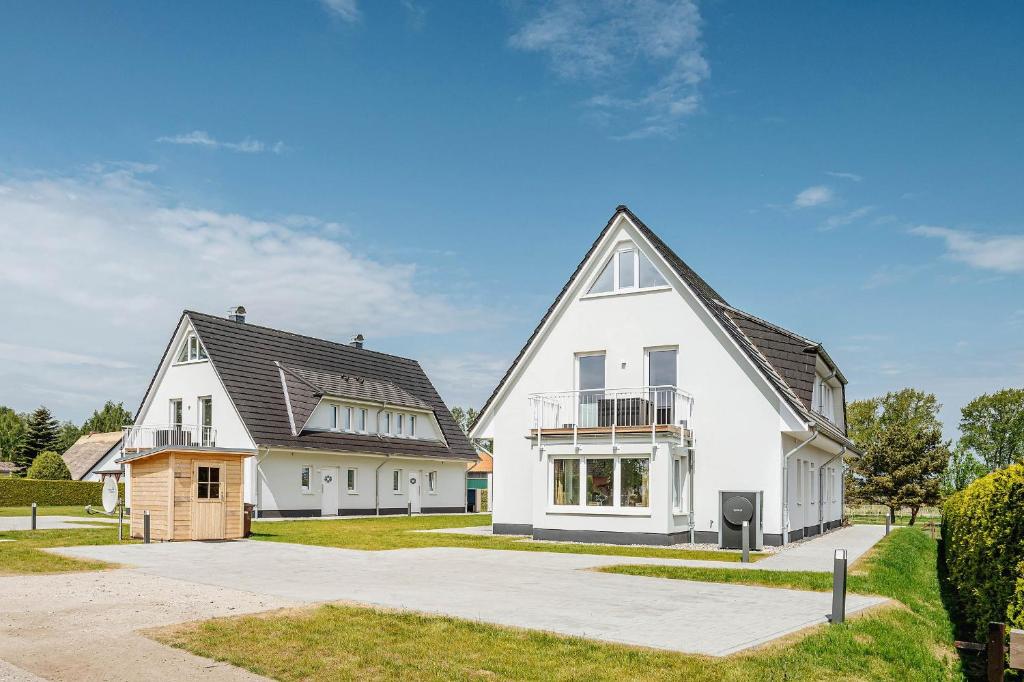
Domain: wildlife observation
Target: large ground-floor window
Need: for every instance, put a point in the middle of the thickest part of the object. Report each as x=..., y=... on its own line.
x=601, y=481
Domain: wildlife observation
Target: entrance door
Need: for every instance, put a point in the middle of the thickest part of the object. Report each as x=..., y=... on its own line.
x=414, y=490
x=329, y=500
x=208, y=508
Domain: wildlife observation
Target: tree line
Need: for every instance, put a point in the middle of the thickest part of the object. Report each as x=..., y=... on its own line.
x=906, y=463
x=24, y=437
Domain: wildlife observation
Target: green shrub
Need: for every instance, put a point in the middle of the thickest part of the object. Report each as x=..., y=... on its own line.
x=21, y=492
x=983, y=534
x=48, y=466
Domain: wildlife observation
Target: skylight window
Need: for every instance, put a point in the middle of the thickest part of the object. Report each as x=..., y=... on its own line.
x=191, y=350
x=627, y=269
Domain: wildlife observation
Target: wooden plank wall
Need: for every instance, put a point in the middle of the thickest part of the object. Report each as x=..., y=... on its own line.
x=184, y=489
x=150, y=478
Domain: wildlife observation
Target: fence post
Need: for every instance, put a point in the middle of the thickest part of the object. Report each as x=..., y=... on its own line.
x=33, y=516
x=838, y=587
x=995, y=649
x=746, y=542
x=145, y=526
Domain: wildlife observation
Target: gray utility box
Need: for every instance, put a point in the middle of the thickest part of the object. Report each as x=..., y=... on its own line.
x=735, y=507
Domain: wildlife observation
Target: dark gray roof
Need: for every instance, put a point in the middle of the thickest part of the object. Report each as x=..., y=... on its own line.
x=256, y=363
x=357, y=388
x=772, y=348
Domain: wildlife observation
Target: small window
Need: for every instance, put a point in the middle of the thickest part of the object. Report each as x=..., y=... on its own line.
x=799, y=481
x=361, y=420
x=399, y=424
x=208, y=483
x=347, y=419
x=412, y=426
x=351, y=479
x=192, y=350
x=304, y=478
x=385, y=422
x=679, y=484
x=432, y=482
x=396, y=480
x=334, y=416
x=176, y=414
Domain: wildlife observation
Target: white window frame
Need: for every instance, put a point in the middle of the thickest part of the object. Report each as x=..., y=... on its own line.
x=614, y=509
x=192, y=343
x=364, y=416
x=347, y=421
x=354, y=490
x=680, y=487
x=176, y=405
x=397, y=476
x=386, y=416
x=431, y=482
x=399, y=424
x=335, y=417
x=617, y=287
x=799, y=482
x=412, y=426
x=306, y=489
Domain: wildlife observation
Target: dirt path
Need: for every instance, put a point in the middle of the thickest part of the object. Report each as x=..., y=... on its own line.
x=82, y=626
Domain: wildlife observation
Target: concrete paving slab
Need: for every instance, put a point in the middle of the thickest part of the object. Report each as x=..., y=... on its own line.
x=538, y=590
x=817, y=553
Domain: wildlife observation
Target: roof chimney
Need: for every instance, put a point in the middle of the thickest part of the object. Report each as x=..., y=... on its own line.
x=357, y=341
x=237, y=314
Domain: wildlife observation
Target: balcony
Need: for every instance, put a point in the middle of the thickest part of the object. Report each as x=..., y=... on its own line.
x=648, y=410
x=149, y=437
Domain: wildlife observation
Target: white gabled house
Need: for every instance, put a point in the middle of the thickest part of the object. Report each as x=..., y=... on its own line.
x=330, y=428
x=644, y=405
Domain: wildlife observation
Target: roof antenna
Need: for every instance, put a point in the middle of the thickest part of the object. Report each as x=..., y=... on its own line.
x=357, y=341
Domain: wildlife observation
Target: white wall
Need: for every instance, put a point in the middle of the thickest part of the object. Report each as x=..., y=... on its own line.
x=280, y=481
x=737, y=416
x=105, y=464
x=804, y=497
x=426, y=427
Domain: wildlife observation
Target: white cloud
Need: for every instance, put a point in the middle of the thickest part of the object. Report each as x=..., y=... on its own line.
x=1001, y=253
x=346, y=10
x=464, y=378
x=814, y=196
x=844, y=219
x=606, y=42
x=845, y=176
x=200, y=138
x=96, y=267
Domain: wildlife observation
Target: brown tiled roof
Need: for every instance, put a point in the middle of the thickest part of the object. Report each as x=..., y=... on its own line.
x=249, y=360
x=485, y=465
x=779, y=360
x=87, y=452
x=9, y=468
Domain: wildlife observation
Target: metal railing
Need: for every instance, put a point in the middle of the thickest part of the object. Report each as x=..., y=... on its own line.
x=151, y=436
x=630, y=409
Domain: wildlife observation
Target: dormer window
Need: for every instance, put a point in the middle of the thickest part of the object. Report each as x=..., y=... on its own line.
x=191, y=350
x=628, y=269
x=823, y=398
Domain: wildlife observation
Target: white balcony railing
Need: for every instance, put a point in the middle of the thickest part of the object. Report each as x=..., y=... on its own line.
x=151, y=436
x=664, y=409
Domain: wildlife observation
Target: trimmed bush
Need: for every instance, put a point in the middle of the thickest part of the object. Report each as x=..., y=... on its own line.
x=48, y=466
x=983, y=534
x=21, y=492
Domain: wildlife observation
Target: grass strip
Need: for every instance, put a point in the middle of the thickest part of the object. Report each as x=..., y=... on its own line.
x=24, y=555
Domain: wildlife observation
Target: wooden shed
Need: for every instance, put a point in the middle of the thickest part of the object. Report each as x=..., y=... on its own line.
x=190, y=495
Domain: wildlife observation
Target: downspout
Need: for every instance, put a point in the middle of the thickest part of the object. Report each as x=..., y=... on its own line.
x=256, y=472
x=689, y=494
x=376, y=484
x=785, y=481
x=821, y=490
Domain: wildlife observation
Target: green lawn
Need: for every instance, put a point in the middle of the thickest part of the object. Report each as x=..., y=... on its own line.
x=45, y=511
x=353, y=643
x=398, y=532
x=23, y=555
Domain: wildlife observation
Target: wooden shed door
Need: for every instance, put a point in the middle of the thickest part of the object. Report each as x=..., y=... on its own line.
x=208, y=509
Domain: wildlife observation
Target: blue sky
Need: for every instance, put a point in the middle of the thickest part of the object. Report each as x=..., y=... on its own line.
x=429, y=173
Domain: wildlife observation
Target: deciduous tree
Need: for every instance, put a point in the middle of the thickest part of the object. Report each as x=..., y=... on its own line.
x=112, y=417
x=49, y=466
x=13, y=430
x=992, y=428
x=904, y=454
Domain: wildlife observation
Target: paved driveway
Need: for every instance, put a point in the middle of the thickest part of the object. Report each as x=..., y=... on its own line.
x=54, y=522
x=537, y=590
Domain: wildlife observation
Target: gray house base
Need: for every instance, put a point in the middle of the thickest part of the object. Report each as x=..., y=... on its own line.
x=511, y=529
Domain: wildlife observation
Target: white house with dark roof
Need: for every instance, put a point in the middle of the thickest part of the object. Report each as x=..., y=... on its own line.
x=330, y=428
x=646, y=409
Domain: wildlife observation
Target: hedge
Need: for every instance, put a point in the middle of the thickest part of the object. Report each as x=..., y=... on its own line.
x=983, y=537
x=22, y=492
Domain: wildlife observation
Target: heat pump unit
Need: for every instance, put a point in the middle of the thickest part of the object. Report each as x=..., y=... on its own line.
x=735, y=507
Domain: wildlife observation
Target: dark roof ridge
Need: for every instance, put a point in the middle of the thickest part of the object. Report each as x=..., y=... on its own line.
x=760, y=320
x=301, y=336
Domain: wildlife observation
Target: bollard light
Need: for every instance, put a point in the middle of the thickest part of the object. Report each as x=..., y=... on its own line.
x=838, y=587
x=746, y=542
x=34, y=509
x=145, y=526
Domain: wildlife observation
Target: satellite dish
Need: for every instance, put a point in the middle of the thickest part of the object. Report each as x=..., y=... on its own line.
x=110, y=494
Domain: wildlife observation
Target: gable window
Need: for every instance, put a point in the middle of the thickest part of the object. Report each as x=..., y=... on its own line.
x=626, y=270
x=305, y=474
x=351, y=479
x=176, y=414
x=191, y=350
